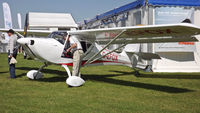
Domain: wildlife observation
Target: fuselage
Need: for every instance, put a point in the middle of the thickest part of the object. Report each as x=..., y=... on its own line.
x=50, y=50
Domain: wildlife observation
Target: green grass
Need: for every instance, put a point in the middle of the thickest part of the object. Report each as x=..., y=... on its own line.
x=108, y=89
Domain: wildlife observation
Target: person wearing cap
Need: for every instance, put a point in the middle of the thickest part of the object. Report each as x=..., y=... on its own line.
x=12, y=51
x=77, y=51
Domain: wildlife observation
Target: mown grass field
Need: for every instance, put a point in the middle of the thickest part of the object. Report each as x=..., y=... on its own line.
x=108, y=89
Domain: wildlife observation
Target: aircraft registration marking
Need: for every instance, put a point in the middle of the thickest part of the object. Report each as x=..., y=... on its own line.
x=110, y=56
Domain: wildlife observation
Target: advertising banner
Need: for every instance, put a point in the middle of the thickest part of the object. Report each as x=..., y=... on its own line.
x=19, y=20
x=7, y=16
x=171, y=15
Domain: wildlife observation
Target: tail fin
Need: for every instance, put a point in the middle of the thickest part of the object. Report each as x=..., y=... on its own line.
x=189, y=17
x=187, y=21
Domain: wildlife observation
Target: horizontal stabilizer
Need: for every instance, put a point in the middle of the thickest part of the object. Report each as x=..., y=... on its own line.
x=144, y=55
x=148, y=56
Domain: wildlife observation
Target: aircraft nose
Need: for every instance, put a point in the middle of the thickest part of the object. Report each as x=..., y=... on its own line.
x=23, y=41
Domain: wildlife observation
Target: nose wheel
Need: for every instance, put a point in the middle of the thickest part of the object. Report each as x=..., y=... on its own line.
x=36, y=74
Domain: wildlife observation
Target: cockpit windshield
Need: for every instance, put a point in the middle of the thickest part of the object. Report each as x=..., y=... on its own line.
x=59, y=36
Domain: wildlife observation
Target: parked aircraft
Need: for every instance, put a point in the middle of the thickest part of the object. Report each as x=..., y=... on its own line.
x=51, y=49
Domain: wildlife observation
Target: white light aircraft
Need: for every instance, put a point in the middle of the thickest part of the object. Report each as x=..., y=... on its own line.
x=51, y=50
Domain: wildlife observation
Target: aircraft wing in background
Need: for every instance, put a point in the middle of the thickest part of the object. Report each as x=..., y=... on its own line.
x=36, y=33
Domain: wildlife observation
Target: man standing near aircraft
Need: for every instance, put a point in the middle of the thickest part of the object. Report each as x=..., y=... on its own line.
x=77, y=51
x=12, y=51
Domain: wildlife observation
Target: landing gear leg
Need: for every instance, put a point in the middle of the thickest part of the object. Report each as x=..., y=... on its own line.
x=36, y=74
x=73, y=81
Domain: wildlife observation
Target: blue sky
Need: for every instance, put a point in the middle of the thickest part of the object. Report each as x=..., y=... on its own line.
x=80, y=9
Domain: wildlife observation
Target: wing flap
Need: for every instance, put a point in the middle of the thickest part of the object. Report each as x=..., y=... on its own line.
x=154, y=40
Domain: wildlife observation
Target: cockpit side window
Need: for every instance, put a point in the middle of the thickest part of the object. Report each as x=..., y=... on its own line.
x=85, y=45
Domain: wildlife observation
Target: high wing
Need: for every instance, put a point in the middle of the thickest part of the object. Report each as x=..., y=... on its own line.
x=37, y=33
x=140, y=34
x=134, y=34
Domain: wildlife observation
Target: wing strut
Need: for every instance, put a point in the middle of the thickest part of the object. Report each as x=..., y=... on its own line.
x=105, y=47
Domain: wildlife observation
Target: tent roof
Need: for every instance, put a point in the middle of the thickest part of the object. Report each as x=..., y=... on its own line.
x=115, y=11
x=195, y=3
x=51, y=20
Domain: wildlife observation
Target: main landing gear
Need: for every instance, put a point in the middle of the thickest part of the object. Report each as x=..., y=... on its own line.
x=73, y=81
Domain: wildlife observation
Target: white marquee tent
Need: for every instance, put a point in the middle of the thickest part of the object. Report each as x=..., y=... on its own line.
x=176, y=57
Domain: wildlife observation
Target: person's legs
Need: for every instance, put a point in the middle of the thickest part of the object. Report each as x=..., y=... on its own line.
x=80, y=62
x=12, y=70
x=12, y=66
x=77, y=56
